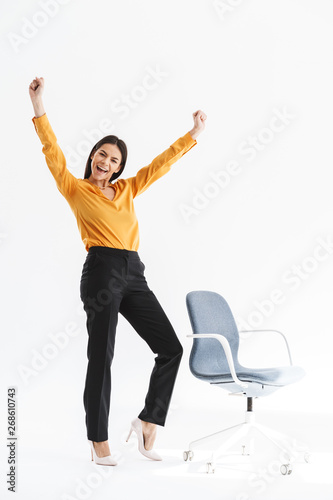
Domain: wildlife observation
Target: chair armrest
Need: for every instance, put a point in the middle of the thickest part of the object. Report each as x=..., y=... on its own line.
x=226, y=347
x=276, y=331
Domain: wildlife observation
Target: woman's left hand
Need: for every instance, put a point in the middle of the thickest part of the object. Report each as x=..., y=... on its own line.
x=199, y=118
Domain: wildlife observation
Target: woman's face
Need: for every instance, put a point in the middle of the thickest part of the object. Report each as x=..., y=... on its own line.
x=105, y=161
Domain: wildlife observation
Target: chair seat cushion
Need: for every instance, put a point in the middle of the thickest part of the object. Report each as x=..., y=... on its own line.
x=277, y=376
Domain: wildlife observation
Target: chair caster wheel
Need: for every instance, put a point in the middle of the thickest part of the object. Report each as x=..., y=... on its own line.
x=210, y=468
x=286, y=469
x=188, y=455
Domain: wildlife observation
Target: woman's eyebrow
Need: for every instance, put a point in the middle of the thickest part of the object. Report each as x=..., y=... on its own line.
x=115, y=157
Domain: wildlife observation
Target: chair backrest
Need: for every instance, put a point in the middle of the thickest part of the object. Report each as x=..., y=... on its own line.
x=210, y=313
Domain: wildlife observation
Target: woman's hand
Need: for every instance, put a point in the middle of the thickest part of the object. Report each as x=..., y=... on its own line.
x=36, y=89
x=199, y=118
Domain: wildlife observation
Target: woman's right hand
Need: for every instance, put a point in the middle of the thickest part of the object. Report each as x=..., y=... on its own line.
x=36, y=88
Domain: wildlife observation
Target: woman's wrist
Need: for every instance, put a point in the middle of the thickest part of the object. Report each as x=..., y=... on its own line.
x=38, y=108
x=194, y=132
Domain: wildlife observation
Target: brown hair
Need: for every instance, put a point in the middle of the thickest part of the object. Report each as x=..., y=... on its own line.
x=109, y=139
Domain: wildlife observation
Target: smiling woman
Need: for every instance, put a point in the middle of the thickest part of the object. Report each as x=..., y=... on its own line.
x=112, y=278
x=108, y=156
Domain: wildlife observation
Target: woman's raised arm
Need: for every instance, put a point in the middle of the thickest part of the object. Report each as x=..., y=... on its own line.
x=162, y=163
x=55, y=159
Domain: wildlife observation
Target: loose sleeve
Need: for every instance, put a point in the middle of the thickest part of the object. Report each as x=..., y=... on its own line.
x=161, y=164
x=55, y=159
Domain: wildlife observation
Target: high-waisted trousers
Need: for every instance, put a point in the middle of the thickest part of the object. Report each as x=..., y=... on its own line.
x=113, y=281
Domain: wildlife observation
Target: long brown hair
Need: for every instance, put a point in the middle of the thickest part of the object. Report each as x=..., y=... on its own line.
x=109, y=139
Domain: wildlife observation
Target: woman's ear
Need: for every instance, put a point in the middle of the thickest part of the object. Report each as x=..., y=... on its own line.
x=93, y=154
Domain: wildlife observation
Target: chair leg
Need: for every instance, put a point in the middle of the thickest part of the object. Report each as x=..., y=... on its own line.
x=242, y=431
x=211, y=438
x=282, y=441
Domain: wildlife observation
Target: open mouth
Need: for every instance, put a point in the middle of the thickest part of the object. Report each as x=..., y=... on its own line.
x=101, y=169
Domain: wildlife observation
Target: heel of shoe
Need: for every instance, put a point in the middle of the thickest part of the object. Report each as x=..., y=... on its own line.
x=92, y=450
x=136, y=426
x=129, y=435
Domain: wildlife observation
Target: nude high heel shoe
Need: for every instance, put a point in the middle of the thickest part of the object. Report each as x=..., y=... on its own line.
x=136, y=426
x=101, y=460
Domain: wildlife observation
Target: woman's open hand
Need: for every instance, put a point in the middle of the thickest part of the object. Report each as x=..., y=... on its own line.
x=199, y=118
x=36, y=88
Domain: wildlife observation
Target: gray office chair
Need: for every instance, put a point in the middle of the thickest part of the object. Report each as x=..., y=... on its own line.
x=214, y=359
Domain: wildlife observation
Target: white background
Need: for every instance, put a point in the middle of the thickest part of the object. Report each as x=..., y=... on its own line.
x=240, y=65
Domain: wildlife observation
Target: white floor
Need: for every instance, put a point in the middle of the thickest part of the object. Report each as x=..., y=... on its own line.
x=51, y=467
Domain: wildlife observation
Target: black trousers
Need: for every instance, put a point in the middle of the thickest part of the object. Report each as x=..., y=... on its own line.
x=113, y=281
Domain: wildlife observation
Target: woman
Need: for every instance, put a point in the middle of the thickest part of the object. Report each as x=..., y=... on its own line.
x=113, y=278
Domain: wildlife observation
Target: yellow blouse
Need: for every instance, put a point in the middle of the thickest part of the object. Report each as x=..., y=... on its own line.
x=103, y=222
